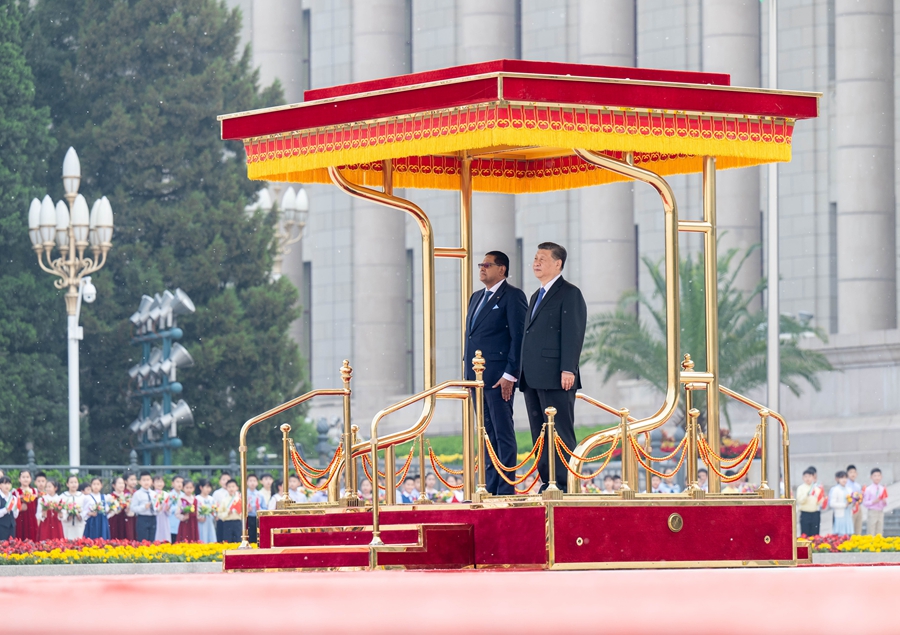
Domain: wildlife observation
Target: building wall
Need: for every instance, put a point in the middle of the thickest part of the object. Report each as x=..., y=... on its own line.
x=819, y=44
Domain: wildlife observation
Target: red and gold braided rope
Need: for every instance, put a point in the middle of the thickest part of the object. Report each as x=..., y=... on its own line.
x=561, y=445
x=538, y=446
x=305, y=479
x=587, y=459
x=437, y=472
x=403, y=471
x=647, y=467
x=729, y=463
x=530, y=487
x=703, y=448
x=654, y=459
x=436, y=461
x=516, y=468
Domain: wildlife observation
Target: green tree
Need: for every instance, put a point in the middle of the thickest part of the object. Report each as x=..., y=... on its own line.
x=620, y=342
x=135, y=86
x=32, y=322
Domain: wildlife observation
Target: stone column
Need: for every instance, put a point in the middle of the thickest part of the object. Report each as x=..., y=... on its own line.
x=278, y=44
x=487, y=31
x=606, y=35
x=864, y=165
x=731, y=45
x=379, y=233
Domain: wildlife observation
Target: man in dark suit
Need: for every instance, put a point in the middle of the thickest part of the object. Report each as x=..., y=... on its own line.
x=494, y=325
x=551, y=349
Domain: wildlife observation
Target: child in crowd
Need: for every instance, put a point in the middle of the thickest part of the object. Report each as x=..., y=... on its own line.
x=206, y=512
x=407, y=494
x=431, y=490
x=617, y=482
x=94, y=510
x=161, y=506
x=254, y=504
x=142, y=502
x=608, y=485
x=266, y=491
x=186, y=510
x=320, y=495
x=72, y=502
x=296, y=494
x=875, y=500
x=26, y=523
x=229, y=512
x=809, y=495
x=655, y=483
x=48, y=515
x=119, y=501
x=703, y=479
x=131, y=482
x=278, y=495
x=174, y=497
x=669, y=486
x=219, y=496
x=856, y=493
x=839, y=500
x=9, y=509
x=365, y=490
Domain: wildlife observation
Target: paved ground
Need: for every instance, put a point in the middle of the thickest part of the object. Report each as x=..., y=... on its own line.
x=837, y=599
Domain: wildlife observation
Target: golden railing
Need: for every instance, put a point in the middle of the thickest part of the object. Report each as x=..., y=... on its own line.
x=418, y=430
x=346, y=375
x=693, y=447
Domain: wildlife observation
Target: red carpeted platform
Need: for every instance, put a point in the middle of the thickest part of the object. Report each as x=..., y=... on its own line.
x=820, y=600
x=576, y=533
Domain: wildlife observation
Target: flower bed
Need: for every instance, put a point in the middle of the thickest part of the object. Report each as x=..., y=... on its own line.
x=844, y=544
x=86, y=551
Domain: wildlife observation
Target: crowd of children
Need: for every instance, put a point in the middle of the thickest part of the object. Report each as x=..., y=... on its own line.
x=132, y=507
x=846, y=499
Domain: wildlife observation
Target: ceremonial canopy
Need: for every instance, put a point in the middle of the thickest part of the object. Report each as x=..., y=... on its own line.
x=519, y=121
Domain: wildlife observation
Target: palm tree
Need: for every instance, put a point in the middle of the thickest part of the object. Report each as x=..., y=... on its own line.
x=620, y=342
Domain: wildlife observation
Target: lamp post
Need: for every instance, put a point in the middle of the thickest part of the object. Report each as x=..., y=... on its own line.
x=292, y=215
x=71, y=230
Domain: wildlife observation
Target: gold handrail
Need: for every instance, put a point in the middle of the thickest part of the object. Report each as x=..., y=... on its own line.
x=242, y=448
x=429, y=346
x=785, y=439
x=419, y=428
x=673, y=330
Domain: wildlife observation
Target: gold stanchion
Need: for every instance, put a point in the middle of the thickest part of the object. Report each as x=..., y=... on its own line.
x=478, y=366
x=552, y=493
x=286, y=449
x=354, y=430
x=390, y=466
x=764, y=490
x=693, y=489
x=350, y=498
x=627, y=492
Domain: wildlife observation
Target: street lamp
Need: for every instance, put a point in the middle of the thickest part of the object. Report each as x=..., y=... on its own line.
x=292, y=215
x=71, y=230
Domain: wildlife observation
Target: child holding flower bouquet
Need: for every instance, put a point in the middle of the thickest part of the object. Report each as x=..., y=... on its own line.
x=9, y=509
x=206, y=512
x=26, y=523
x=161, y=500
x=48, y=510
x=94, y=511
x=119, y=501
x=839, y=499
x=229, y=513
x=72, y=502
x=186, y=510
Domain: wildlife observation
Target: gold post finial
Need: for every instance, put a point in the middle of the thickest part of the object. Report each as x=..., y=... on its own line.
x=478, y=365
x=688, y=363
x=346, y=371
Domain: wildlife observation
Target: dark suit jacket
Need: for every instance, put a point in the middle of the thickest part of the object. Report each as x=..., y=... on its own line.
x=553, y=337
x=496, y=332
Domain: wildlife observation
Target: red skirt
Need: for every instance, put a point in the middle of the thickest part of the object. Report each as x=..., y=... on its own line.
x=117, y=527
x=26, y=523
x=188, y=530
x=50, y=528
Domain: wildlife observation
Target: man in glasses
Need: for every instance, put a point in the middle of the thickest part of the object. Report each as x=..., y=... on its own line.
x=494, y=324
x=551, y=348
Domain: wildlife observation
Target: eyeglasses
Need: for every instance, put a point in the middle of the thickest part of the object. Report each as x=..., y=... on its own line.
x=487, y=265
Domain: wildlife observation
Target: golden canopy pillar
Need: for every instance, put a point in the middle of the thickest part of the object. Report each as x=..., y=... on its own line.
x=518, y=127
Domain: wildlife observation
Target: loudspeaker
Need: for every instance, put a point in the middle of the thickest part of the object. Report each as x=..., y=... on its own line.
x=178, y=358
x=181, y=303
x=140, y=316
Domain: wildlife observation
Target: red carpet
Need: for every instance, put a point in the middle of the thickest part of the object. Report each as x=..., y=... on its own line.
x=841, y=600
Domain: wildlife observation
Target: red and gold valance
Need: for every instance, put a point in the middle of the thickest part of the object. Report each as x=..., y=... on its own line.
x=519, y=130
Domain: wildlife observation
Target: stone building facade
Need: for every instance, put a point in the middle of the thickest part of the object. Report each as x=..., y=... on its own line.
x=357, y=269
